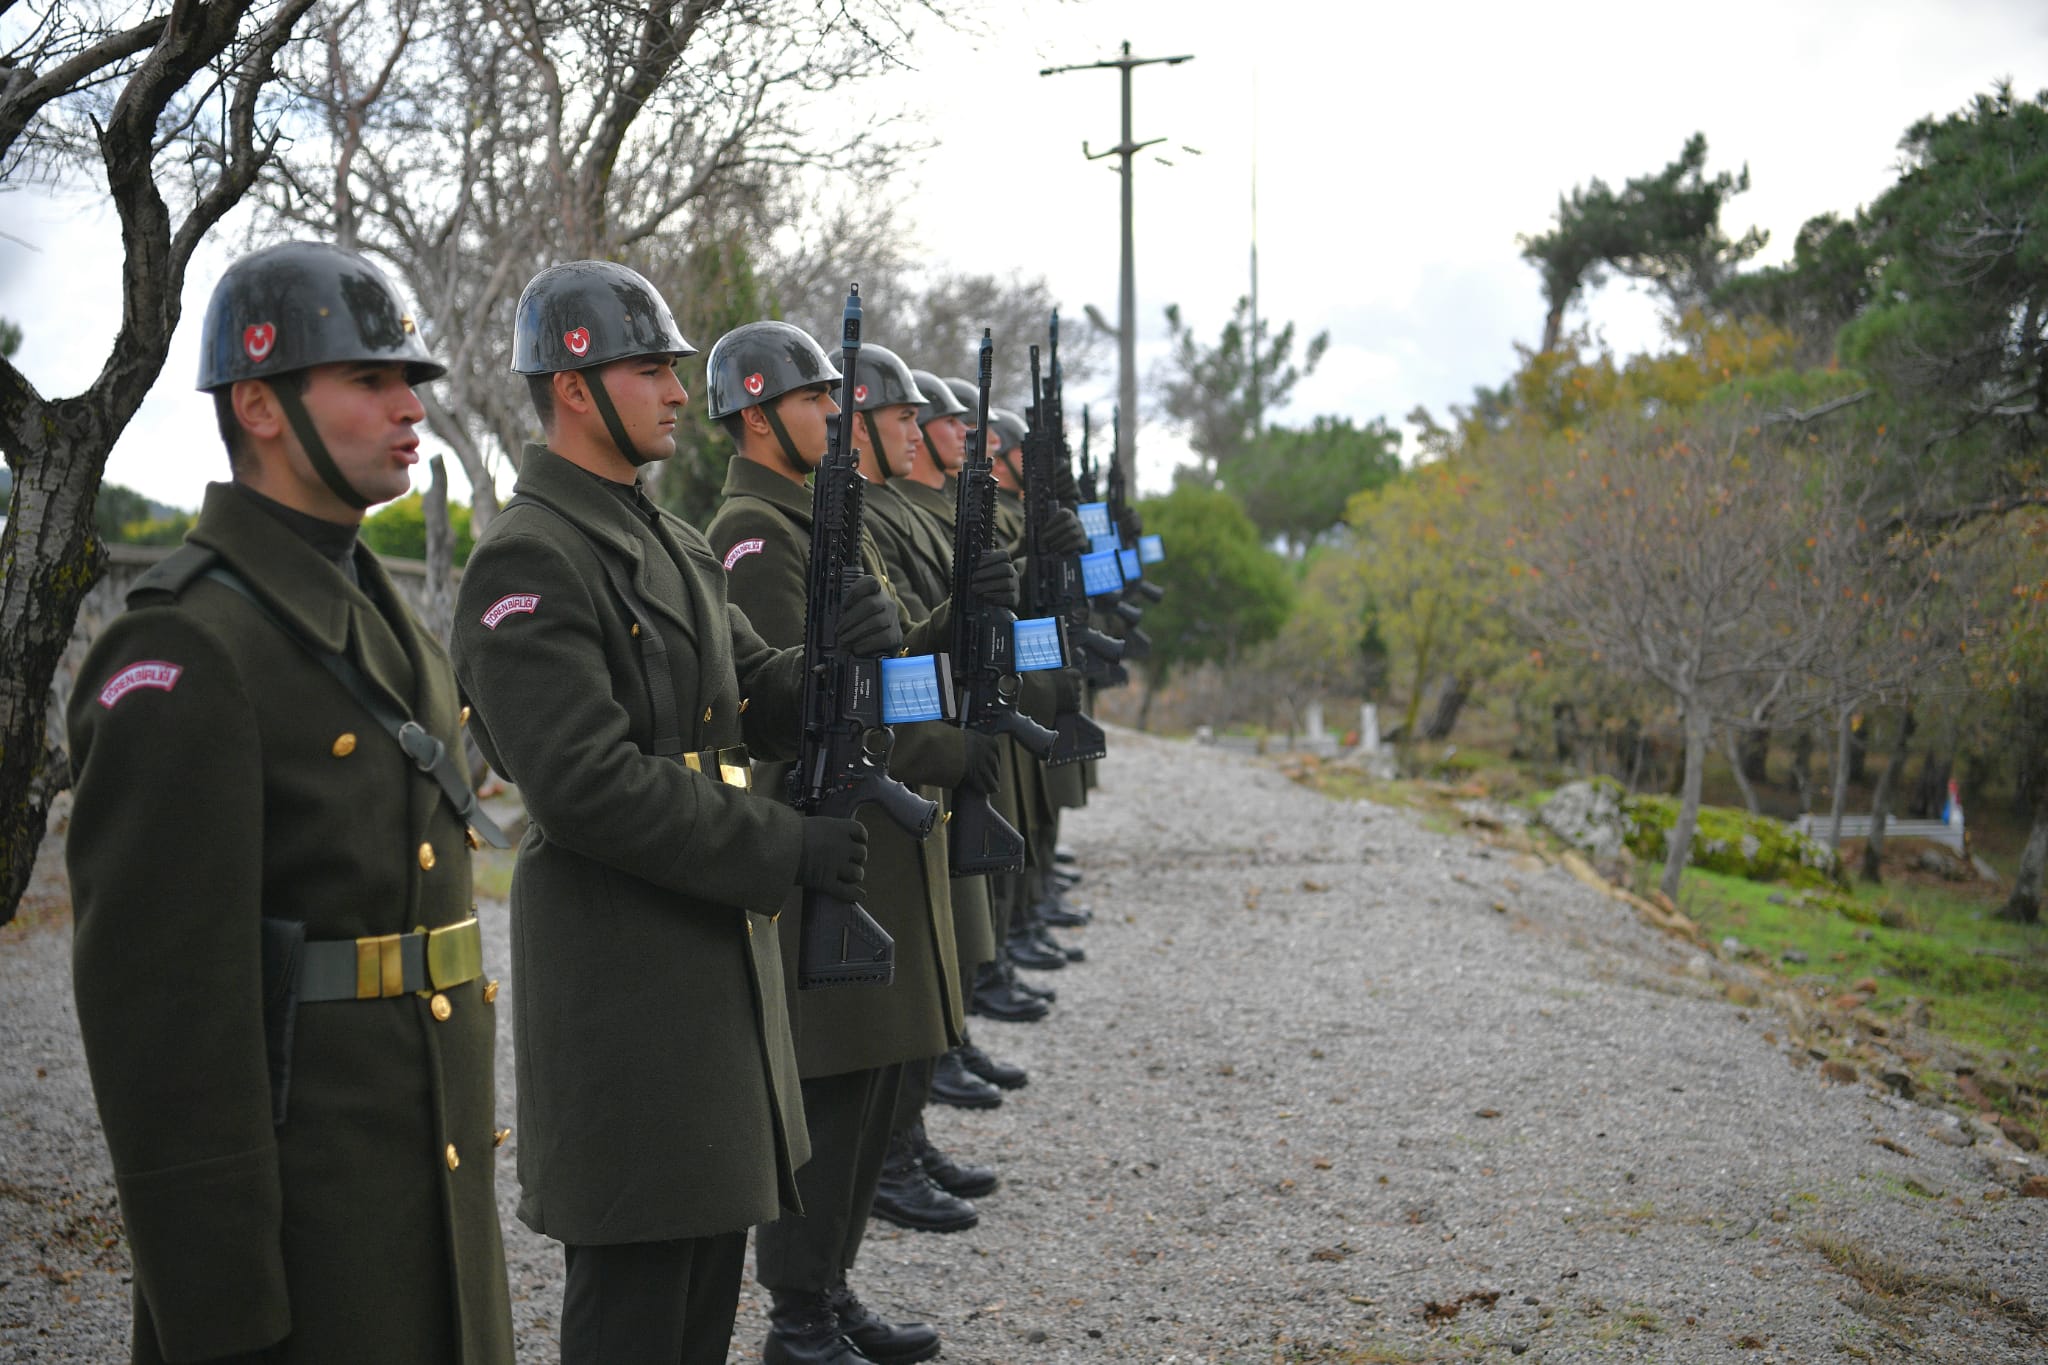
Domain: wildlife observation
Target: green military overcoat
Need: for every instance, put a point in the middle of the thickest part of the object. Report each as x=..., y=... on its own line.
x=920, y=521
x=762, y=534
x=658, y=1092
x=224, y=776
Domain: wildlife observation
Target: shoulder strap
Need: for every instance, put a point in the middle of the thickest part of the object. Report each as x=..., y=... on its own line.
x=660, y=678
x=427, y=753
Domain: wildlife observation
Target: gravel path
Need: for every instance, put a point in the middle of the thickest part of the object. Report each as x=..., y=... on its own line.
x=1330, y=1087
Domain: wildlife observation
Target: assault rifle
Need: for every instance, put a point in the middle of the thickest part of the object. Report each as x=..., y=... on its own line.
x=1086, y=483
x=1053, y=584
x=1122, y=515
x=842, y=760
x=984, y=655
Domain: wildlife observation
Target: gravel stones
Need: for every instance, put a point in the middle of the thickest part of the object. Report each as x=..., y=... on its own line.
x=1311, y=1094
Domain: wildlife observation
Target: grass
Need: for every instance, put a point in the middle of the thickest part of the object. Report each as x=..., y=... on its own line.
x=1893, y=1281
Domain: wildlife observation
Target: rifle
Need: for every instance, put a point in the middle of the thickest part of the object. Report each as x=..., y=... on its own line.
x=842, y=760
x=1122, y=515
x=1053, y=584
x=984, y=655
x=1086, y=482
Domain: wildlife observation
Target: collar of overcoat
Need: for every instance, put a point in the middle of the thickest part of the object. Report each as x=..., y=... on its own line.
x=573, y=492
x=747, y=478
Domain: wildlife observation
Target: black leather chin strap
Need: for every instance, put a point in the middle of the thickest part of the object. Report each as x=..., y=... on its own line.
x=875, y=443
x=789, y=451
x=315, y=448
x=611, y=418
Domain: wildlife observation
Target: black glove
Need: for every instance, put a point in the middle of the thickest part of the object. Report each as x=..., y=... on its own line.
x=984, y=762
x=995, y=579
x=868, y=624
x=834, y=856
x=1064, y=534
x=1066, y=690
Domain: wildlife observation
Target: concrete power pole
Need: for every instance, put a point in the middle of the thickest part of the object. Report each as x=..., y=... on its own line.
x=1127, y=284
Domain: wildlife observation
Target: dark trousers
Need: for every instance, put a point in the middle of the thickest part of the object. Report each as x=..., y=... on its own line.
x=914, y=1093
x=652, y=1303
x=849, y=1118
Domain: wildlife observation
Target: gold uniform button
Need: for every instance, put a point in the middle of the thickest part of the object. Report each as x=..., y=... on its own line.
x=750, y=928
x=707, y=713
x=344, y=745
x=490, y=990
x=636, y=630
x=440, y=1007
x=498, y=1138
x=471, y=835
x=426, y=857
x=745, y=702
x=454, y=1160
x=463, y=719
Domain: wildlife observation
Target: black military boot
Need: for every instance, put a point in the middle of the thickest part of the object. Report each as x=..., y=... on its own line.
x=803, y=1330
x=885, y=1343
x=1007, y=1075
x=1031, y=988
x=1042, y=936
x=1030, y=951
x=954, y=1084
x=910, y=1199
x=1057, y=911
x=954, y=1177
x=995, y=996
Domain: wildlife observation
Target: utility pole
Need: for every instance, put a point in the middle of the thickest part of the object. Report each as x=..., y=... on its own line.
x=1127, y=285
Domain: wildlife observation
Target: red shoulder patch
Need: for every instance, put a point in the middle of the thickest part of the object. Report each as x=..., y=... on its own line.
x=742, y=550
x=511, y=604
x=150, y=673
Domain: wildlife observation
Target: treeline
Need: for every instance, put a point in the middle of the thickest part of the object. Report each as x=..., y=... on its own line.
x=1814, y=517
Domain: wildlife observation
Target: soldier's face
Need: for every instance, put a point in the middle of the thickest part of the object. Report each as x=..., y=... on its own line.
x=948, y=436
x=1005, y=470
x=366, y=415
x=650, y=398
x=898, y=428
x=807, y=416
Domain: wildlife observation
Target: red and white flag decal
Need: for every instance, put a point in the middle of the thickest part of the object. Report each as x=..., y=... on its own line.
x=149, y=673
x=755, y=384
x=511, y=604
x=257, y=339
x=860, y=393
x=742, y=550
x=577, y=339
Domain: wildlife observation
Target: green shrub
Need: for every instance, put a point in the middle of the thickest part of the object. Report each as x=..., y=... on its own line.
x=1733, y=842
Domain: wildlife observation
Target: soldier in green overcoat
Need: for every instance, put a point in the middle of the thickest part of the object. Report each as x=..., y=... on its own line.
x=770, y=387
x=617, y=686
x=278, y=969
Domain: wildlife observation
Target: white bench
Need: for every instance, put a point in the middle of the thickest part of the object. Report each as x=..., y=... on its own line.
x=1858, y=827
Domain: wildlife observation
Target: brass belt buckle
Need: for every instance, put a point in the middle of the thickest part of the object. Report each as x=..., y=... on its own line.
x=734, y=768
x=455, y=954
x=380, y=968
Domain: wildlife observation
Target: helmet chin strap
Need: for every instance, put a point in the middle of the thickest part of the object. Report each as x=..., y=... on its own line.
x=789, y=451
x=316, y=449
x=612, y=424
x=867, y=419
x=925, y=435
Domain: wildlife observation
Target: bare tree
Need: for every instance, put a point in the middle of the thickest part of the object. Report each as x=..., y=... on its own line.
x=471, y=142
x=1728, y=563
x=175, y=112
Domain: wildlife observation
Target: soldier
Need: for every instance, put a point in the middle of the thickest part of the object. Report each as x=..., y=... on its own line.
x=770, y=388
x=658, y=1101
x=277, y=963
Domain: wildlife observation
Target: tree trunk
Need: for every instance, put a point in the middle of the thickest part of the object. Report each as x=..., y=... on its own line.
x=1564, y=732
x=1843, y=741
x=2024, y=905
x=1881, y=799
x=1858, y=753
x=1756, y=753
x=439, y=615
x=1741, y=778
x=1802, y=768
x=483, y=493
x=1450, y=700
x=1699, y=729
x=53, y=559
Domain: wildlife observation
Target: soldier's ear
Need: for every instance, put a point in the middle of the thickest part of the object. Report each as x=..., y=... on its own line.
x=572, y=393
x=257, y=410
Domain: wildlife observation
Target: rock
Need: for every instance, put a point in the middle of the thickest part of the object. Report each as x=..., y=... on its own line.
x=1777, y=898
x=1848, y=1003
x=1795, y=957
x=1868, y=986
x=1950, y=1132
x=1587, y=815
x=1838, y=1071
x=1733, y=842
x=1900, y=1083
x=1732, y=946
x=1699, y=968
x=2034, y=1187
x=2019, y=1134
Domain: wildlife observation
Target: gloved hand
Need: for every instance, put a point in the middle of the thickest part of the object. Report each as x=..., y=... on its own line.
x=1064, y=534
x=1067, y=690
x=995, y=579
x=868, y=623
x=834, y=857
x=984, y=762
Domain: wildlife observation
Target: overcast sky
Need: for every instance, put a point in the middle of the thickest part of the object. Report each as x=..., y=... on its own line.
x=1400, y=150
